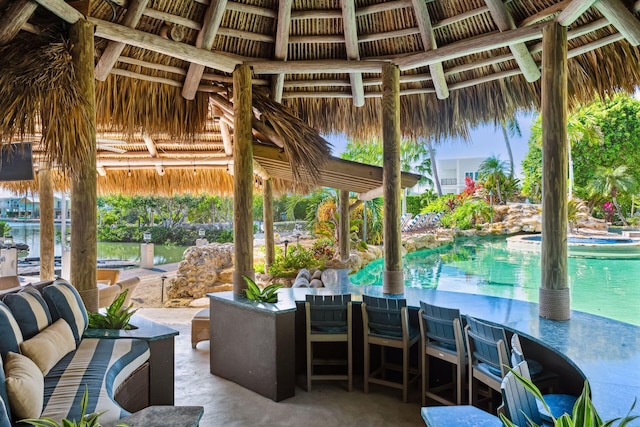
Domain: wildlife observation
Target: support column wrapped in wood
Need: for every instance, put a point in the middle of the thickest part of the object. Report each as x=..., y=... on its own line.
x=343, y=230
x=242, y=178
x=554, y=291
x=393, y=278
x=84, y=255
x=269, y=245
x=47, y=233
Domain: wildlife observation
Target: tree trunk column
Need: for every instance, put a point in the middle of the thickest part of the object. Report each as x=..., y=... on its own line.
x=47, y=234
x=269, y=244
x=242, y=178
x=84, y=256
x=554, y=290
x=343, y=230
x=393, y=279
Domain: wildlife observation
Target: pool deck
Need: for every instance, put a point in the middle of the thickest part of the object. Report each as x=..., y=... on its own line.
x=604, y=351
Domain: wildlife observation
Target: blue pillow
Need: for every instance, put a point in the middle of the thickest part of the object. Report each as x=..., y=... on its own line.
x=30, y=311
x=65, y=303
x=5, y=413
x=10, y=333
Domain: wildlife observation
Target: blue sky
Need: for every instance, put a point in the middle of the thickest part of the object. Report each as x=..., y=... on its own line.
x=485, y=141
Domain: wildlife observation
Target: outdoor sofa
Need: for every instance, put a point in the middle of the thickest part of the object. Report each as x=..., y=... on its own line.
x=49, y=365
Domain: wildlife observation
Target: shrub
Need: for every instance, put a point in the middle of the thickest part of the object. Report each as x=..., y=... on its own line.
x=181, y=236
x=296, y=259
x=324, y=247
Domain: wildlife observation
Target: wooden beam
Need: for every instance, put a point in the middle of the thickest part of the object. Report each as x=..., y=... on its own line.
x=281, y=47
x=253, y=10
x=429, y=43
x=470, y=46
x=319, y=66
x=393, y=281
x=212, y=20
x=383, y=7
x=84, y=252
x=554, y=290
x=62, y=10
x=101, y=171
x=47, y=230
x=16, y=15
x=115, y=32
x=573, y=11
x=521, y=54
x=353, y=52
x=226, y=138
x=151, y=146
x=242, y=178
x=114, y=49
x=149, y=162
x=544, y=14
x=372, y=194
x=621, y=18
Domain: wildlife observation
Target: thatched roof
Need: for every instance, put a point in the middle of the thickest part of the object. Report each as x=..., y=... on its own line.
x=463, y=62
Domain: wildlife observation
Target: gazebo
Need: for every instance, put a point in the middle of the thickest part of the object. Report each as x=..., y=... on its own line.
x=113, y=86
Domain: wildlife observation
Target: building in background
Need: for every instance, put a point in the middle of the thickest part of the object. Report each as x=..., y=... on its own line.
x=452, y=172
x=27, y=208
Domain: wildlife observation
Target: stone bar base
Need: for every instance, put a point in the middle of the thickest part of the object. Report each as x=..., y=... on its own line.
x=393, y=282
x=555, y=304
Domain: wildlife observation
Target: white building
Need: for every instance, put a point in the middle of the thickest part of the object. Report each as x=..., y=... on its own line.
x=452, y=172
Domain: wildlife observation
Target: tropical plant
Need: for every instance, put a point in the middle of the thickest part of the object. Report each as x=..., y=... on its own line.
x=254, y=293
x=510, y=128
x=575, y=213
x=296, y=259
x=86, y=420
x=608, y=181
x=492, y=174
x=584, y=412
x=115, y=317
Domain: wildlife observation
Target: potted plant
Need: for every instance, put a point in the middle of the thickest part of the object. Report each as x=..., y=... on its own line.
x=115, y=317
x=254, y=293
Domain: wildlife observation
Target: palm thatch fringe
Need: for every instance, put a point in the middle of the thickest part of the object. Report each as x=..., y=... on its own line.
x=39, y=92
x=128, y=105
x=307, y=151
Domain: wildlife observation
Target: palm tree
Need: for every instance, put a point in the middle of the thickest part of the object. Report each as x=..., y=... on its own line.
x=510, y=128
x=434, y=168
x=491, y=171
x=608, y=181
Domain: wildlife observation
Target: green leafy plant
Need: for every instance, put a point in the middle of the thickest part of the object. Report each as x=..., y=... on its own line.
x=115, y=317
x=584, y=412
x=267, y=294
x=86, y=420
x=297, y=258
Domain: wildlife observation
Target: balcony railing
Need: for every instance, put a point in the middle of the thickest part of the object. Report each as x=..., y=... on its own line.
x=449, y=181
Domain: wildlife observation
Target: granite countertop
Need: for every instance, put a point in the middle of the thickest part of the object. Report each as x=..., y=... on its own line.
x=146, y=330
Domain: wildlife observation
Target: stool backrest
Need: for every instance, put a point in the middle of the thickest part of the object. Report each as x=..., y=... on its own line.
x=384, y=315
x=328, y=313
x=519, y=404
x=488, y=344
x=439, y=325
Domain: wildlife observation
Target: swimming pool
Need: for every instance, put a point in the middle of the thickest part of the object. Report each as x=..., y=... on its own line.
x=606, y=287
x=589, y=247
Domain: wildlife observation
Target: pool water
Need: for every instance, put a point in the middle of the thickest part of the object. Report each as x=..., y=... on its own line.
x=606, y=287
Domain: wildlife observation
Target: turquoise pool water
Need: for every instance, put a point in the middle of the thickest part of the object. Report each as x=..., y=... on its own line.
x=606, y=287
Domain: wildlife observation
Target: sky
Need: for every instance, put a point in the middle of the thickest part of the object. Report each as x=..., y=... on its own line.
x=484, y=141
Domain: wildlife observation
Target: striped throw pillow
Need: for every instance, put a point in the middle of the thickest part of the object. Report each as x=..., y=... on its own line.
x=10, y=333
x=5, y=412
x=65, y=303
x=30, y=311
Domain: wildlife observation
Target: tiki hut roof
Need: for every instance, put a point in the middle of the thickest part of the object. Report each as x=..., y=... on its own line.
x=164, y=71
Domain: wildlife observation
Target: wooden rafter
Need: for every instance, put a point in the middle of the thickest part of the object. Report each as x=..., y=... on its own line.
x=429, y=43
x=153, y=151
x=621, y=18
x=505, y=22
x=114, y=49
x=353, y=52
x=281, y=47
x=573, y=10
x=17, y=15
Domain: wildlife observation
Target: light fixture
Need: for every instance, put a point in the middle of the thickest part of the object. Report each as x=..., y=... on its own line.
x=201, y=232
x=146, y=236
x=8, y=240
x=129, y=173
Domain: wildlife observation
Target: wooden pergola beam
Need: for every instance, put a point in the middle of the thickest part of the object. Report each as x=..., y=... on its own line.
x=114, y=49
x=153, y=162
x=429, y=43
x=521, y=54
x=62, y=10
x=212, y=20
x=16, y=15
x=353, y=52
x=573, y=11
x=281, y=45
x=621, y=18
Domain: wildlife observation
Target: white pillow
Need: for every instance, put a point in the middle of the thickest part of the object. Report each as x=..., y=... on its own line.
x=50, y=345
x=25, y=386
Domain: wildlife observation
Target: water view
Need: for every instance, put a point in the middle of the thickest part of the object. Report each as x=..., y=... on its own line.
x=29, y=233
x=606, y=287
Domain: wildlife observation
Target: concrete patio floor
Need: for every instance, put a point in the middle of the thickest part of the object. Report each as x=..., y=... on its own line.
x=228, y=404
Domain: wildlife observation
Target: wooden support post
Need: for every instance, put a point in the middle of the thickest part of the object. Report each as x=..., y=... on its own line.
x=242, y=178
x=343, y=230
x=84, y=255
x=393, y=280
x=269, y=244
x=554, y=291
x=47, y=233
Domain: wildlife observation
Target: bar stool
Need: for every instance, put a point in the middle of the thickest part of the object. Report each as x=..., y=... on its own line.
x=442, y=338
x=386, y=324
x=329, y=319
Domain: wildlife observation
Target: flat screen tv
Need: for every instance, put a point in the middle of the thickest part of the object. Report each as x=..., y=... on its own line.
x=16, y=162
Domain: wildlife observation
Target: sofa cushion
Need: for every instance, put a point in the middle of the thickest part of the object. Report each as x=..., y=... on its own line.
x=10, y=333
x=25, y=386
x=5, y=412
x=99, y=365
x=49, y=346
x=5, y=416
x=65, y=303
x=30, y=310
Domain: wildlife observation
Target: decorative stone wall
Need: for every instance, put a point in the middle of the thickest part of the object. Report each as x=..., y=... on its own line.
x=205, y=269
